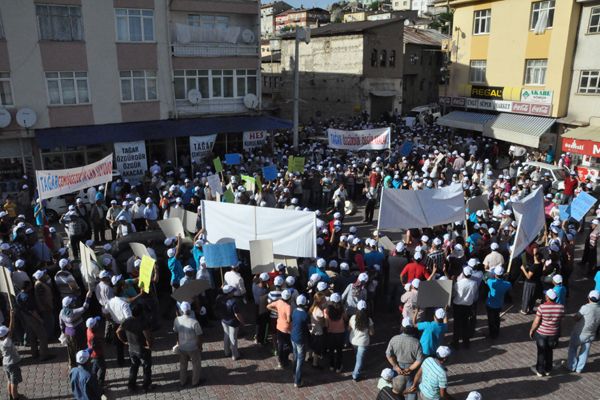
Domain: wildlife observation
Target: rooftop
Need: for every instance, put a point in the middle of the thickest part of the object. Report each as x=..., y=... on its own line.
x=347, y=28
x=426, y=37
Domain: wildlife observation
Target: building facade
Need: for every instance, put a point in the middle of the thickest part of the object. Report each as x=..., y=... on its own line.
x=306, y=18
x=368, y=79
x=518, y=73
x=421, y=6
x=91, y=73
x=267, y=17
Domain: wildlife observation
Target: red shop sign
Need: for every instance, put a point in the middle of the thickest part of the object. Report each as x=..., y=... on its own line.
x=584, y=147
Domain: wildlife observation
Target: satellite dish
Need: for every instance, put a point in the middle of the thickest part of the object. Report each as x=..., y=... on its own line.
x=26, y=117
x=248, y=36
x=194, y=96
x=5, y=118
x=251, y=101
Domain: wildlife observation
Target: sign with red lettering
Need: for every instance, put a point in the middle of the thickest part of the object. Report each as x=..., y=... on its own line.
x=369, y=139
x=584, y=147
x=541, y=109
x=254, y=139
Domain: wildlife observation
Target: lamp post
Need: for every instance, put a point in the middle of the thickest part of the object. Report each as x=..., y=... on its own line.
x=302, y=34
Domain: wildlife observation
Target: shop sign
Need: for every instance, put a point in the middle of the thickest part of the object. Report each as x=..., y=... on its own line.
x=541, y=109
x=472, y=103
x=483, y=104
x=585, y=172
x=521, y=108
x=584, y=147
x=536, y=96
x=445, y=100
x=458, y=101
x=500, y=105
x=487, y=92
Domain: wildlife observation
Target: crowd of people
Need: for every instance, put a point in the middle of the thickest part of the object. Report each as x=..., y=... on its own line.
x=312, y=313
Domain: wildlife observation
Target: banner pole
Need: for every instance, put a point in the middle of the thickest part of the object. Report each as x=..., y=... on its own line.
x=10, y=302
x=512, y=252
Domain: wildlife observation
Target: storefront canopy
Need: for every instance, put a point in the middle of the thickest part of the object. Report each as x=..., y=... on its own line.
x=518, y=129
x=584, y=141
x=465, y=120
x=148, y=130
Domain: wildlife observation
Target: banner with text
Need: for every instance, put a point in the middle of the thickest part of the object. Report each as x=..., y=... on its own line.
x=131, y=160
x=254, y=139
x=370, y=139
x=52, y=183
x=201, y=146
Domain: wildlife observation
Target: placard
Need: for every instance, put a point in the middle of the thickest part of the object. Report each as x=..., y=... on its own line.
x=270, y=173
x=249, y=182
x=214, y=183
x=369, y=139
x=189, y=222
x=190, y=290
x=131, y=160
x=177, y=212
x=233, y=159
x=6, y=285
x=218, y=165
x=201, y=147
x=478, y=203
x=291, y=264
x=220, y=254
x=581, y=205
x=228, y=196
x=434, y=294
x=171, y=227
x=139, y=250
x=261, y=256
x=387, y=243
x=406, y=148
x=145, y=277
x=254, y=139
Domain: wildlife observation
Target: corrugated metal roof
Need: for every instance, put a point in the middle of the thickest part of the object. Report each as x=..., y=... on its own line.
x=427, y=37
x=347, y=28
x=520, y=129
x=584, y=133
x=465, y=120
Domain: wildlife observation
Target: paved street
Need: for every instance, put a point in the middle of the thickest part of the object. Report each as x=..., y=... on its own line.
x=499, y=370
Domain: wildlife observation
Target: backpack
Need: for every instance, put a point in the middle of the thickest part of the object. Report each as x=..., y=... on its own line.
x=220, y=308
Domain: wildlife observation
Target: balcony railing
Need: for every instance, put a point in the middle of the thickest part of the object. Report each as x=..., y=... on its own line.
x=214, y=50
x=211, y=106
x=223, y=41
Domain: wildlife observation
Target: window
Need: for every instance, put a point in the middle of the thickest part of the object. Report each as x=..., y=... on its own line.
x=210, y=22
x=392, y=62
x=481, y=21
x=594, y=26
x=535, y=72
x=138, y=86
x=215, y=83
x=589, y=82
x=67, y=87
x=542, y=15
x=6, y=98
x=374, y=58
x=383, y=58
x=59, y=22
x=135, y=25
x=477, y=71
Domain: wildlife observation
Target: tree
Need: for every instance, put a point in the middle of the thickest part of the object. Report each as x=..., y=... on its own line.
x=374, y=6
x=442, y=22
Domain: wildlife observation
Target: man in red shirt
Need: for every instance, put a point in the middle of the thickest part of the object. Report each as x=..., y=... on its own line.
x=414, y=270
x=375, y=177
x=571, y=184
x=95, y=342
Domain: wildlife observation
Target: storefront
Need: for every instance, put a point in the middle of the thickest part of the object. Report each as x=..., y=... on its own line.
x=584, y=145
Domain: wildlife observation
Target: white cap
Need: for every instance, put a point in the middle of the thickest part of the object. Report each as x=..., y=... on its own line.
x=335, y=298
x=551, y=294
x=66, y=302
x=557, y=279
x=137, y=263
x=337, y=215
x=415, y=283
x=353, y=229
x=400, y=247
x=440, y=313
x=63, y=263
x=4, y=246
x=387, y=374
x=594, y=295
x=3, y=331
x=443, y=351
x=321, y=263
x=188, y=268
x=344, y=266
x=498, y=270
x=104, y=274
x=437, y=241
x=290, y=281
x=361, y=305
x=52, y=229
x=472, y=262
x=264, y=277
x=168, y=241
x=467, y=271
x=228, y=289
x=314, y=277
x=418, y=255
x=363, y=277
x=301, y=300
x=19, y=264
x=82, y=356
x=424, y=238
x=406, y=322
x=91, y=322
x=171, y=253
x=278, y=281
x=89, y=243
x=474, y=396
x=107, y=247
x=115, y=279
x=494, y=246
x=39, y=273
x=286, y=294
x=185, y=306
x=321, y=286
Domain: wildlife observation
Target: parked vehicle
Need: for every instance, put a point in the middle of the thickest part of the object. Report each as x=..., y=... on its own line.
x=425, y=115
x=557, y=174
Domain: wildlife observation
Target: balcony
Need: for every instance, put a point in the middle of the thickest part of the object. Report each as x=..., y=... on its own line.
x=224, y=41
x=211, y=106
x=214, y=50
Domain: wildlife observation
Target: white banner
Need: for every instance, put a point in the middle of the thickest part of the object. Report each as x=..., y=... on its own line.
x=52, y=183
x=253, y=139
x=201, y=146
x=131, y=160
x=406, y=209
x=293, y=232
x=370, y=139
x=529, y=214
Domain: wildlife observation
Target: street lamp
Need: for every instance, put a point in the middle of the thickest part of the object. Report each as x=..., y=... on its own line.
x=302, y=34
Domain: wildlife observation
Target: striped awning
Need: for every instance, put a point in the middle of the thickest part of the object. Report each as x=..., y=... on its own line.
x=518, y=129
x=465, y=120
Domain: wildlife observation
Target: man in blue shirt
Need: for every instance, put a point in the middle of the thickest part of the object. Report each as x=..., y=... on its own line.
x=299, y=336
x=560, y=290
x=83, y=383
x=495, y=299
x=175, y=265
x=433, y=331
x=374, y=256
x=319, y=269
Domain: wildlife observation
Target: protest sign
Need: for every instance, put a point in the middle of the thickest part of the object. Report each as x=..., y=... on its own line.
x=581, y=205
x=530, y=217
x=270, y=173
x=218, y=165
x=214, y=183
x=89, y=272
x=139, y=250
x=171, y=227
x=201, y=147
x=6, y=285
x=478, y=203
x=410, y=121
x=52, y=183
x=249, y=182
x=258, y=184
x=189, y=222
x=146, y=269
x=299, y=164
x=369, y=139
x=406, y=148
x=564, y=212
x=291, y=264
x=190, y=290
x=387, y=243
x=177, y=212
x=407, y=209
x=434, y=294
x=233, y=159
x=228, y=196
x=131, y=160
x=254, y=139
x=261, y=256
x=290, y=164
x=220, y=254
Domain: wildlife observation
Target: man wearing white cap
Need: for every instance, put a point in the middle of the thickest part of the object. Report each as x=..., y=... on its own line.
x=84, y=384
x=189, y=342
x=404, y=353
x=433, y=331
x=354, y=293
x=583, y=333
x=283, y=326
x=498, y=288
x=260, y=290
x=65, y=281
x=590, y=249
x=493, y=258
x=231, y=319
x=98, y=219
x=234, y=279
x=545, y=330
x=414, y=270
x=300, y=336
x=10, y=358
x=465, y=294
x=433, y=376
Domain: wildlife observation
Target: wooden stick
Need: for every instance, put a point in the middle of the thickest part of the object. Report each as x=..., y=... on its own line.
x=512, y=253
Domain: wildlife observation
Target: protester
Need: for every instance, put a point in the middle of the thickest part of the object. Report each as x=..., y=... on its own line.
x=189, y=345
x=545, y=330
x=10, y=359
x=83, y=383
x=299, y=337
x=432, y=376
x=584, y=332
x=361, y=328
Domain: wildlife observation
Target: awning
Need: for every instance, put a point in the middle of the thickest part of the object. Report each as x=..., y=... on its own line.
x=148, y=130
x=383, y=93
x=465, y=120
x=584, y=133
x=518, y=129
x=584, y=141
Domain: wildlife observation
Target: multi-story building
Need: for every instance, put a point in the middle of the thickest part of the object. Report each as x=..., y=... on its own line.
x=346, y=69
x=510, y=68
x=421, y=6
x=300, y=17
x=582, y=138
x=88, y=73
x=267, y=17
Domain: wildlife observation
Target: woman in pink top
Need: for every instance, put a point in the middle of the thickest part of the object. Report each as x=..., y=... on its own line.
x=335, y=320
x=283, y=326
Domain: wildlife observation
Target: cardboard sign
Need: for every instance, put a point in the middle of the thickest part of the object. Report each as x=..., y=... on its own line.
x=387, y=243
x=214, y=183
x=171, y=227
x=581, y=205
x=139, y=250
x=218, y=165
x=6, y=283
x=261, y=256
x=228, y=196
x=249, y=183
x=190, y=290
x=85, y=266
x=233, y=159
x=189, y=222
x=406, y=148
x=290, y=164
x=478, y=203
x=220, y=254
x=565, y=212
x=146, y=269
x=253, y=139
x=434, y=294
x=201, y=147
x=290, y=263
x=177, y=212
x=299, y=164
x=269, y=173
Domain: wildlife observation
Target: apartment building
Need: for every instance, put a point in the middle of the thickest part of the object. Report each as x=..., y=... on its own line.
x=267, y=17
x=76, y=76
x=305, y=18
x=421, y=6
x=510, y=69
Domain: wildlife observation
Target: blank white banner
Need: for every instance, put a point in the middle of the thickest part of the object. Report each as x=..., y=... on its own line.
x=529, y=213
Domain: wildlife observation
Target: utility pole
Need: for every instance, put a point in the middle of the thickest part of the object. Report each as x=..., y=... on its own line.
x=304, y=35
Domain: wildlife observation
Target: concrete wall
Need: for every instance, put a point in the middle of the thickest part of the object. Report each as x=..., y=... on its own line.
x=420, y=80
